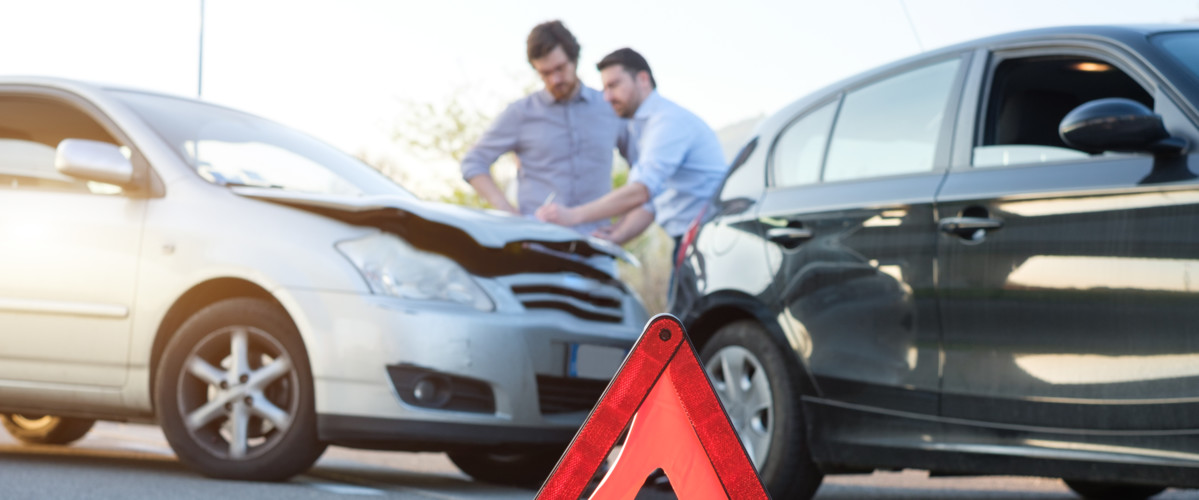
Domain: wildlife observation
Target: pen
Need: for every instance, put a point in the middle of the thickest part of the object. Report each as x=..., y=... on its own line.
x=549, y=199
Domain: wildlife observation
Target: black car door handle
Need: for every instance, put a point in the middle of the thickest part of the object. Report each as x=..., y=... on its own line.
x=972, y=230
x=788, y=235
x=957, y=225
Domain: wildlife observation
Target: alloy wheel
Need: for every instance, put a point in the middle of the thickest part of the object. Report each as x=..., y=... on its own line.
x=238, y=392
x=32, y=422
x=744, y=389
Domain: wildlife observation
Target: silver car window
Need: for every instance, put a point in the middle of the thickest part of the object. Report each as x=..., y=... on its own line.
x=30, y=130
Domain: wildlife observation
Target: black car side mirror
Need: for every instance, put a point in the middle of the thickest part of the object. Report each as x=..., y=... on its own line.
x=1118, y=124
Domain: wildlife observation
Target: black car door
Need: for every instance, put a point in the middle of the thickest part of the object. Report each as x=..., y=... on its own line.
x=1067, y=280
x=852, y=237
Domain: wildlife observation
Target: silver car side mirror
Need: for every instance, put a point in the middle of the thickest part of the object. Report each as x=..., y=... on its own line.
x=93, y=161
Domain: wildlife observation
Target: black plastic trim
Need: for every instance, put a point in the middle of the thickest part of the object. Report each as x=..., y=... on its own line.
x=854, y=437
x=462, y=393
x=567, y=394
x=418, y=435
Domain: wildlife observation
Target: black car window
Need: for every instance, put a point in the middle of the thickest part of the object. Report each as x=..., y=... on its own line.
x=799, y=150
x=1030, y=96
x=30, y=130
x=1182, y=46
x=891, y=127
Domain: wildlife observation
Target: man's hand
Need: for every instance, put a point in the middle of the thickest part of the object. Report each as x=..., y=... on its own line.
x=488, y=190
x=603, y=233
x=629, y=226
x=558, y=214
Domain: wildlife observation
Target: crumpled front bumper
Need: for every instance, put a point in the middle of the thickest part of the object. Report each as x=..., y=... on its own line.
x=353, y=338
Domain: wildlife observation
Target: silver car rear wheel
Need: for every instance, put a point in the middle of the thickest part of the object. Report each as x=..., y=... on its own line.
x=45, y=429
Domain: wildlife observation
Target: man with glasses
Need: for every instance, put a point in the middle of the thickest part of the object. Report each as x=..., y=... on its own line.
x=563, y=135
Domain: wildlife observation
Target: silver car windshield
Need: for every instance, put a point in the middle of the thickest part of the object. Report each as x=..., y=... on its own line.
x=228, y=147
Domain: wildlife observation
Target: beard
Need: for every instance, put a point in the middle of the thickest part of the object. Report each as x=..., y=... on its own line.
x=562, y=91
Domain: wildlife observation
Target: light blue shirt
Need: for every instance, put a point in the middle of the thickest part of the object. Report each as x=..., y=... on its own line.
x=565, y=148
x=678, y=159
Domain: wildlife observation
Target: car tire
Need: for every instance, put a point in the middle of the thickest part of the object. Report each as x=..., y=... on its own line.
x=757, y=388
x=234, y=393
x=523, y=470
x=45, y=429
x=1112, y=491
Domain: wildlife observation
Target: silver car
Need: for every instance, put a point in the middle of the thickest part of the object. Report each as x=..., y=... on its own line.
x=261, y=295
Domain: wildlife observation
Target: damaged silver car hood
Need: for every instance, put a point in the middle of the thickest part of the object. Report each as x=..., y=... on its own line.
x=488, y=228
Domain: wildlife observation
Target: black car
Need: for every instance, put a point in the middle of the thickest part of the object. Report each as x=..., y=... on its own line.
x=980, y=260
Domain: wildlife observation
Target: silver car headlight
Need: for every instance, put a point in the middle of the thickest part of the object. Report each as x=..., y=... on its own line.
x=393, y=267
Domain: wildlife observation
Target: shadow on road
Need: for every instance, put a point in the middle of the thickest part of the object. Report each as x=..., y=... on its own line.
x=74, y=471
x=92, y=458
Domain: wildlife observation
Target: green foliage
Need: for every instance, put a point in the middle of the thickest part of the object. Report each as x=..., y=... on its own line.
x=465, y=196
x=446, y=130
x=652, y=279
x=438, y=131
x=620, y=172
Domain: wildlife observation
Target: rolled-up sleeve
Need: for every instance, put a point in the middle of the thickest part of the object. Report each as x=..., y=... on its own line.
x=500, y=138
x=662, y=149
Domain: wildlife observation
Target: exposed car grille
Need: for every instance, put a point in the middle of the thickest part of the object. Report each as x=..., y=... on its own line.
x=579, y=297
x=564, y=395
x=592, y=299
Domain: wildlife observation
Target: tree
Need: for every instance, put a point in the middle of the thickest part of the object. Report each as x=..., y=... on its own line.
x=440, y=132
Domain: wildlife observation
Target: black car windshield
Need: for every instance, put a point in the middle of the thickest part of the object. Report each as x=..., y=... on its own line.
x=229, y=147
x=1183, y=46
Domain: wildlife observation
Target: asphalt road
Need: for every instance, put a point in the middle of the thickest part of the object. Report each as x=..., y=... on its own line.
x=122, y=461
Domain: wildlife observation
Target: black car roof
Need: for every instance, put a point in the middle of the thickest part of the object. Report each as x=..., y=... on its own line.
x=1134, y=37
x=1118, y=32
x=1128, y=35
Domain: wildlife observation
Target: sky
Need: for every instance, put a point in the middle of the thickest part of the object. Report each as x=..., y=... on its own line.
x=345, y=71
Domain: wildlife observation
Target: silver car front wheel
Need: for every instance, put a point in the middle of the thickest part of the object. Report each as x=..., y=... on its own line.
x=235, y=393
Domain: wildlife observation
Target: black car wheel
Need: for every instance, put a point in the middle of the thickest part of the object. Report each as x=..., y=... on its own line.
x=1111, y=491
x=45, y=429
x=234, y=393
x=755, y=385
x=524, y=470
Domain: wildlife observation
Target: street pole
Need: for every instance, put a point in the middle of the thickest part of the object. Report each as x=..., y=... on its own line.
x=200, y=73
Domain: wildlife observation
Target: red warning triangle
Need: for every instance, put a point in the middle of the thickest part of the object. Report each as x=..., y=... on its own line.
x=679, y=426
